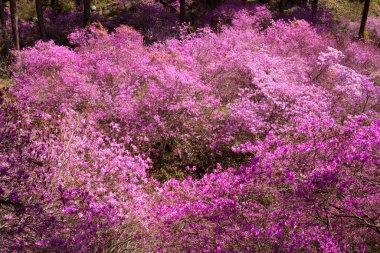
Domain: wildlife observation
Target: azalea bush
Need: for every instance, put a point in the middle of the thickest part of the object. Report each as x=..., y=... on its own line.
x=258, y=135
x=311, y=187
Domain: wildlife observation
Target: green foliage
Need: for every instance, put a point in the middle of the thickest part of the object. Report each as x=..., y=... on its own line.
x=351, y=9
x=63, y=6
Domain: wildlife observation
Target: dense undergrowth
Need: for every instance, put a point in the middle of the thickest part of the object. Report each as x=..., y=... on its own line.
x=259, y=136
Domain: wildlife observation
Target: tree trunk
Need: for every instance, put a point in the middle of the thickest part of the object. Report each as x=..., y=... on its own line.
x=14, y=20
x=281, y=6
x=314, y=10
x=364, y=18
x=4, y=31
x=182, y=11
x=41, y=20
x=86, y=12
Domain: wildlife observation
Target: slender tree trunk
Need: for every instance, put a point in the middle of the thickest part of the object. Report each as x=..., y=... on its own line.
x=14, y=20
x=182, y=11
x=364, y=18
x=314, y=10
x=41, y=20
x=281, y=6
x=86, y=12
x=4, y=31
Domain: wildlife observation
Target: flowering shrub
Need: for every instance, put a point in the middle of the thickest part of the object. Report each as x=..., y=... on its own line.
x=264, y=133
x=311, y=188
x=38, y=213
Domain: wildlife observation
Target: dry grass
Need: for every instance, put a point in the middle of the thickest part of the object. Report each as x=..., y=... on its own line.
x=5, y=83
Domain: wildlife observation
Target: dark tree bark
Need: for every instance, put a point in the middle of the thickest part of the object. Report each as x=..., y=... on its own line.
x=14, y=21
x=281, y=6
x=86, y=12
x=182, y=10
x=41, y=20
x=364, y=18
x=314, y=10
x=4, y=31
